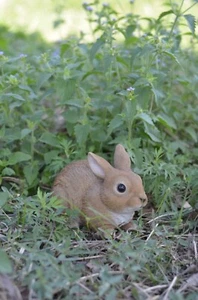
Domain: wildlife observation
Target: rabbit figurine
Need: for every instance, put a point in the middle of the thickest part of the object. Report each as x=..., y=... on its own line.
x=106, y=196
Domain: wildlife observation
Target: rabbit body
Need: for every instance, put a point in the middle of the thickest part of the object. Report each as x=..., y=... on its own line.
x=106, y=196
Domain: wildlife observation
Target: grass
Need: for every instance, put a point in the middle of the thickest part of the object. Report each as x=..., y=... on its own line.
x=60, y=100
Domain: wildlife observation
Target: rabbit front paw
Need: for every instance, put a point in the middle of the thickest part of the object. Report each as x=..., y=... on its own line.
x=129, y=226
x=107, y=232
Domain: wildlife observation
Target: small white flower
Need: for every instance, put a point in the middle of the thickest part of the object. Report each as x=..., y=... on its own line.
x=22, y=55
x=131, y=89
x=56, y=53
x=1, y=53
x=89, y=8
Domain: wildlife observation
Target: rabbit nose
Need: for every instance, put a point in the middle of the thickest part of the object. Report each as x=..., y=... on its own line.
x=144, y=200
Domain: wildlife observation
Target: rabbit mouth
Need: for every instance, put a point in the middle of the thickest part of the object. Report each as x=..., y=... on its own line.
x=123, y=217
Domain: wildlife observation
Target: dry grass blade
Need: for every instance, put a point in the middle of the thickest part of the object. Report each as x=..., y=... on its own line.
x=12, y=179
x=155, y=287
x=141, y=290
x=85, y=288
x=195, y=249
x=87, y=257
x=91, y=276
x=160, y=217
x=170, y=288
x=152, y=232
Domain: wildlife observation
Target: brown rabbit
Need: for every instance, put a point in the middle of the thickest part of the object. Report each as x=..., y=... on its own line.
x=106, y=196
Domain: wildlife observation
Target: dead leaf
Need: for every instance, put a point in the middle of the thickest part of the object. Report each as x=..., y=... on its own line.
x=187, y=205
x=192, y=281
x=8, y=290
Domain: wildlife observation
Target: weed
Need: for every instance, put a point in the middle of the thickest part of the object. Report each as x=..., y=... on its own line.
x=135, y=84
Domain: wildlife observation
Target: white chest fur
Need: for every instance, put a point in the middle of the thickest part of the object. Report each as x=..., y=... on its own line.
x=123, y=217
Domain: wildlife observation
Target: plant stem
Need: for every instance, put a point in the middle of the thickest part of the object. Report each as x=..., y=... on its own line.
x=175, y=21
x=189, y=8
x=32, y=146
x=130, y=124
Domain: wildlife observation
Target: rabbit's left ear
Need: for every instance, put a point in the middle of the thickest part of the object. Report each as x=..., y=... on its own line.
x=121, y=159
x=98, y=165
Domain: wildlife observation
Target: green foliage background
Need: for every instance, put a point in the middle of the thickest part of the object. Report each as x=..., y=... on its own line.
x=58, y=101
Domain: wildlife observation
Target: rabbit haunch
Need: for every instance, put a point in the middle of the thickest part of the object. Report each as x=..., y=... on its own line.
x=106, y=196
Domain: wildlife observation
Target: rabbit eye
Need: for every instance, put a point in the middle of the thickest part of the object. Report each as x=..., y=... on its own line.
x=121, y=188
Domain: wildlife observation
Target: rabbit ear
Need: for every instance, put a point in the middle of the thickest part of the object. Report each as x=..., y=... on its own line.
x=98, y=165
x=121, y=159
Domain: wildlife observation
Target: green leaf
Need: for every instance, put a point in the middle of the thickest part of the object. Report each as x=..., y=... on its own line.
x=31, y=173
x=18, y=157
x=25, y=132
x=28, y=89
x=5, y=263
x=146, y=118
x=138, y=158
x=172, y=56
x=64, y=47
x=49, y=156
x=191, y=21
x=165, y=13
x=129, y=30
x=2, y=132
x=130, y=110
x=96, y=46
x=4, y=196
x=8, y=172
x=12, y=134
x=43, y=78
x=81, y=132
x=107, y=60
x=104, y=287
x=50, y=139
x=25, y=88
x=98, y=134
x=79, y=103
x=152, y=132
x=157, y=95
x=141, y=82
x=65, y=89
x=15, y=96
x=167, y=121
x=130, y=40
x=5, y=152
x=15, y=104
x=116, y=122
x=72, y=115
x=192, y=133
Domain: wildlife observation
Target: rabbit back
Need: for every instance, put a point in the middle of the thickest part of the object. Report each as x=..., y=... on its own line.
x=72, y=183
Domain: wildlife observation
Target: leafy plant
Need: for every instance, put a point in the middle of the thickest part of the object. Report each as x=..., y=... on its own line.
x=134, y=84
